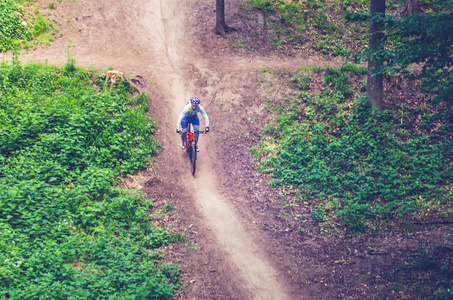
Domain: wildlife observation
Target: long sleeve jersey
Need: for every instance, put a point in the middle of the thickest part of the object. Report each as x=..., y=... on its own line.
x=188, y=111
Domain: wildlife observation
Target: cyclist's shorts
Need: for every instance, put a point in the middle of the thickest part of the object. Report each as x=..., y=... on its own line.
x=190, y=119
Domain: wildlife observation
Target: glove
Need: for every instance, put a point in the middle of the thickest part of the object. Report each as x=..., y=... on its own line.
x=178, y=130
x=206, y=129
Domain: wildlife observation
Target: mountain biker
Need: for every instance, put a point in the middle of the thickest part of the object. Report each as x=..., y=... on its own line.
x=190, y=115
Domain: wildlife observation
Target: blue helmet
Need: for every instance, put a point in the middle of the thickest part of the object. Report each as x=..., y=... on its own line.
x=195, y=101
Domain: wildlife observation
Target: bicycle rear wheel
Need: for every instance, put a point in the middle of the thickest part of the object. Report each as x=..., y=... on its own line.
x=193, y=157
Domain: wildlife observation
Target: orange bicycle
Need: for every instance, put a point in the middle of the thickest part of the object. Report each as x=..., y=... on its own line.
x=190, y=146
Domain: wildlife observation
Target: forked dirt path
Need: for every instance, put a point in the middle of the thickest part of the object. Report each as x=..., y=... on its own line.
x=165, y=18
x=152, y=39
x=258, y=275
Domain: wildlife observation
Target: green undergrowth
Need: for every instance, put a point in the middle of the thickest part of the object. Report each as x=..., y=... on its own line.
x=23, y=25
x=359, y=166
x=315, y=24
x=312, y=24
x=66, y=231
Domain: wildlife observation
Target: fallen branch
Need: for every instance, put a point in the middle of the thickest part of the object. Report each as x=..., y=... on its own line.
x=114, y=76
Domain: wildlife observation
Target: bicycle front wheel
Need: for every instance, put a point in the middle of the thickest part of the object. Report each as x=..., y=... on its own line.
x=193, y=157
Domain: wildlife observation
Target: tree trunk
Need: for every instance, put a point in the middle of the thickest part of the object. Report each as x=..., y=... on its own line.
x=220, y=26
x=375, y=86
x=412, y=7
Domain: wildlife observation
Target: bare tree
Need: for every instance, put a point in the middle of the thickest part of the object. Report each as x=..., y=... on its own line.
x=221, y=27
x=375, y=86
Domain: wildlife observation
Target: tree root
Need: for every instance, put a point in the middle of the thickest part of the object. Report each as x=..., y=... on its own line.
x=223, y=30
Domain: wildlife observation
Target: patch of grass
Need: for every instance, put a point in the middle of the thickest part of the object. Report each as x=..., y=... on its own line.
x=238, y=44
x=301, y=81
x=255, y=152
x=338, y=79
x=272, y=72
x=328, y=45
x=65, y=229
x=315, y=69
x=354, y=69
x=168, y=208
x=318, y=214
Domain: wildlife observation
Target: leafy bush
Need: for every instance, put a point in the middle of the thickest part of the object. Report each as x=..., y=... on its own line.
x=19, y=27
x=367, y=166
x=11, y=28
x=65, y=232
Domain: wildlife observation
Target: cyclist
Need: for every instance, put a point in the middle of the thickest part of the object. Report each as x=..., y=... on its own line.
x=190, y=115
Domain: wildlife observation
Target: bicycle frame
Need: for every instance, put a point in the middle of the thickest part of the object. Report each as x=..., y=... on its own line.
x=191, y=147
x=189, y=138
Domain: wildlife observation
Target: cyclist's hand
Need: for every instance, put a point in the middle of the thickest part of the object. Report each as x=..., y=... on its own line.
x=178, y=130
x=207, y=129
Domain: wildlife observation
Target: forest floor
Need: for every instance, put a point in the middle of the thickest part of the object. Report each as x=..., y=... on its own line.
x=244, y=243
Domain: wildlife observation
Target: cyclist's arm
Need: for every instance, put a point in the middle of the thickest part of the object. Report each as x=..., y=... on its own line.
x=205, y=116
x=182, y=115
x=178, y=125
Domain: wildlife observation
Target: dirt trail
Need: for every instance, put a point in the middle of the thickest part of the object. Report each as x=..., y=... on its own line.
x=261, y=278
x=256, y=272
x=155, y=45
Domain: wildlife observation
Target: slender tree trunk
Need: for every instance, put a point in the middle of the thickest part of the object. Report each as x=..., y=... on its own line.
x=412, y=7
x=220, y=26
x=375, y=85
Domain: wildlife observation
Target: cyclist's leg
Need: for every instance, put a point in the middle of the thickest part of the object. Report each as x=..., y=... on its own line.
x=196, y=127
x=196, y=130
x=185, y=128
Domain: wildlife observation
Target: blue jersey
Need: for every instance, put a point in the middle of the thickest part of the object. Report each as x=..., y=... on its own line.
x=188, y=111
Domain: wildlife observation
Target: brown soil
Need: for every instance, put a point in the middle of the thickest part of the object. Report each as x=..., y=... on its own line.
x=243, y=243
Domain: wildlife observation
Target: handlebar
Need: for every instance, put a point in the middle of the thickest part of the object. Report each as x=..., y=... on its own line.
x=201, y=132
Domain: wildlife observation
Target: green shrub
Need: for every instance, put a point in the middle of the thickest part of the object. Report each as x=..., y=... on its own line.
x=19, y=27
x=368, y=166
x=65, y=232
x=11, y=28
